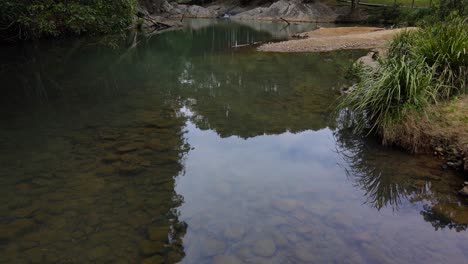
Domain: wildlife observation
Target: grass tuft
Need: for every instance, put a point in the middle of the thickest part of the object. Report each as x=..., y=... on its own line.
x=423, y=67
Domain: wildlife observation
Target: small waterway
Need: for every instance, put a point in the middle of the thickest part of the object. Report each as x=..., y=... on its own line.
x=180, y=148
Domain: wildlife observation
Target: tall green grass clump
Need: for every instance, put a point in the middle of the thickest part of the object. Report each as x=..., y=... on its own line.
x=422, y=67
x=445, y=47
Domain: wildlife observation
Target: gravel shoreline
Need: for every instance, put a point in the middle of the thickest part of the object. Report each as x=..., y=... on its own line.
x=339, y=38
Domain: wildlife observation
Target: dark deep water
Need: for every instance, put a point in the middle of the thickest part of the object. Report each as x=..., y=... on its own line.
x=184, y=149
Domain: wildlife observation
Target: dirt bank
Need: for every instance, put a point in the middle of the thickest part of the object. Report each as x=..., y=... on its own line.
x=442, y=130
x=340, y=38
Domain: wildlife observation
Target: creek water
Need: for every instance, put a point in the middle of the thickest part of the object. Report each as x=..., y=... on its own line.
x=180, y=148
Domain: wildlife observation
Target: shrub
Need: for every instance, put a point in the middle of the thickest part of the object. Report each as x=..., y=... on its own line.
x=26, y=19
x=385, y=95
x=422, y=67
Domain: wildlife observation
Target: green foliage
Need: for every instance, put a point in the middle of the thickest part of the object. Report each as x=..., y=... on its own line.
x=403, y=15
x=26, y=19
x=382, y=97
x=422, y=67
x=445, y=47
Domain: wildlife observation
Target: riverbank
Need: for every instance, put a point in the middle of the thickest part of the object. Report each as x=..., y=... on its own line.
x=441, y=129
x=340, y=38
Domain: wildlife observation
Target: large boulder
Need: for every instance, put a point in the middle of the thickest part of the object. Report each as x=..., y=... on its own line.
x=294, y=10
x=193, y=11
x=165, y=8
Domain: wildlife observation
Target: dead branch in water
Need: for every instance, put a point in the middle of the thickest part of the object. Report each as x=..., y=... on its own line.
x=285, y=21
x=248, y=44
x=157, y=25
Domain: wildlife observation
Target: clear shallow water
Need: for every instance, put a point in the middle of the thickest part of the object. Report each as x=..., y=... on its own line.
x=183, y=149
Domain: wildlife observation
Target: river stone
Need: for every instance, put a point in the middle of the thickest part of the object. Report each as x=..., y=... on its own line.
x=129, y=147
x=278, y=220
x=279, y=239
x=159, y=233
x=35, y=255
x=28, y=244
x=285, y=205
x=8, y=231
x=293, y=237
x=158, y=145
x=24, y=211
x=234, y=232
x=211, y=247
x=301, y=215
x=110, y=158
x=465, y=162
x=226, y=259
x=303, y=254
x=263, y=260
x=174, y=257
x=222, y=188
x=464, y=191
x=130, y=169
x=148, y=247
x=244, y=252
x=99, y=252
x=363, y=237
x=264, y=248
x=104, y=170
x=108, y=136
x=153, y=260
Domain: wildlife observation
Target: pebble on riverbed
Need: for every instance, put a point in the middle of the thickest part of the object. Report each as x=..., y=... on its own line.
x=264, y=248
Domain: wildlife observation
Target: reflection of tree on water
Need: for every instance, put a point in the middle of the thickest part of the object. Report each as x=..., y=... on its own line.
x=252, y=94
x=371, y=167
x=381, y=188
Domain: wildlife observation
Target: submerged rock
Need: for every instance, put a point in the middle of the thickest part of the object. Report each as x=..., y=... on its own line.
x=148, y=247
x=9, y=231
x=264, y=248
x=465, y=162
x=211, y=247
x=369, y=61
x=303, y=254
x=234, y=232
x=110, y=158
x=159, y=233
x=464, y=191
x=129, y=147
x=226, y=259
x=130, y=169
x=280, y=239
x=285, y=205
x=153, y=260
x=99, y=252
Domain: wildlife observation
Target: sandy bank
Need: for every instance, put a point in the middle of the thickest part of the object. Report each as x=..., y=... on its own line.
x=340, y=38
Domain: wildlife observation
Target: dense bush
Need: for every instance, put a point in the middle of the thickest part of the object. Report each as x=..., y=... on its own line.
x=404, y=16
x=422, y=67
x=25, y=19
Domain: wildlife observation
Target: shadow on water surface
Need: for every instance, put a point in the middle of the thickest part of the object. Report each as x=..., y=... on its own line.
x=182, y=148
x=391, y=178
